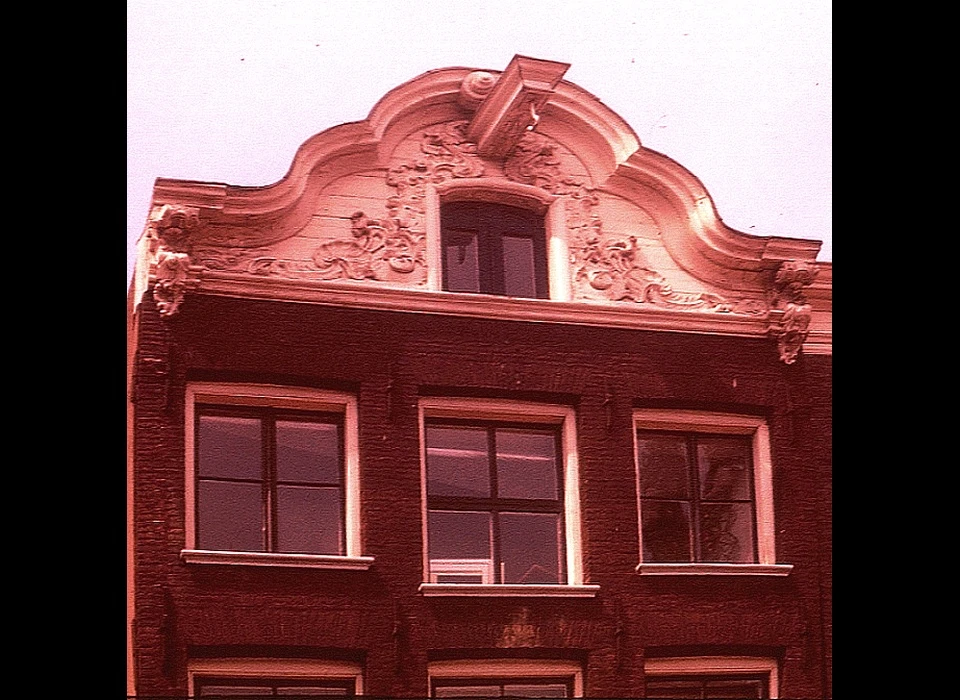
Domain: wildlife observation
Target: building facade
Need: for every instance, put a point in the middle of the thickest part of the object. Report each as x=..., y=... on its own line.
x=481, y=398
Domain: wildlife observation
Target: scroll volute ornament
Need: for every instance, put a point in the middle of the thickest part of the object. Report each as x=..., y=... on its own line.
x=173, y=229
x=792, y=277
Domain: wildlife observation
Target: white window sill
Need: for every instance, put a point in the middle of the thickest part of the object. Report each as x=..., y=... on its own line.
x=498, y=590
x=714, y=569
x=301, y=561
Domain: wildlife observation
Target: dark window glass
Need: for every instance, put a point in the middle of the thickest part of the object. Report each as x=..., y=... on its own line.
x=530, y=547
x=269, y=481
x=526, y=464
x=495, y=510
x=229, y=447
x=457, y=461
x=697, y=502
x=259, y=687
x=500, y=688
x=231, y=516
x=493, y=249
x=460, y=535
x=734, y=687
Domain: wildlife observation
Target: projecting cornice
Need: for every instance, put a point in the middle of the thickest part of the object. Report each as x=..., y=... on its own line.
x=634, y=238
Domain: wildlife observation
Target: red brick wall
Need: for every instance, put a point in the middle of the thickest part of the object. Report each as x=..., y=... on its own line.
x=387, y=359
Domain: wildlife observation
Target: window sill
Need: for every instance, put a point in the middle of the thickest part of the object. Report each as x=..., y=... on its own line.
x=714, y=569
x=300, y=561
x=473, y=590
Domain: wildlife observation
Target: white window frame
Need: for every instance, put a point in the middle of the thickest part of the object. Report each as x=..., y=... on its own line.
x=548, y=205
x=696, y=666
x=283, y=669
x=499, y=668
x=466, y=567
x=273, y=396
x=522, y=412
x=703, y=422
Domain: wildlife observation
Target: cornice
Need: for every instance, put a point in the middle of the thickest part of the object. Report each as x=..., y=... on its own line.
x=387, y=298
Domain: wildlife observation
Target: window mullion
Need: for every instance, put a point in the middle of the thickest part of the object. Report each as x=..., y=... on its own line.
x=753, y=504
x=270, y=482
x=694, y=496
x=495, y=511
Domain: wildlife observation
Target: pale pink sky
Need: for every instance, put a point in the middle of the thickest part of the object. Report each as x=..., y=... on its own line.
x=737, y=91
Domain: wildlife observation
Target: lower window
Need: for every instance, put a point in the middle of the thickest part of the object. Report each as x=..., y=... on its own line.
x=711, y=677
x=503, y=688
x=750, y=686
x=504, y=678
x=704, y=486
x=696, y=493
x=285, y=678
x=243, y=688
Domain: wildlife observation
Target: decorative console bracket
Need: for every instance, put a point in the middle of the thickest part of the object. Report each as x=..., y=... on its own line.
x=512, y=105
x=794, y=313
x=171, y=233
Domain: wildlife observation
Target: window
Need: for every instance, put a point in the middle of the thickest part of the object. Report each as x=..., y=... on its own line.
x=272, y=476
x=541, y=678
x=243, y=677
x=493, y=249
x=494, y=498
x=711, y=677
x=245, y=688
x=704, y=493
x=501, y=499
x=696, y=494
x=269, y=480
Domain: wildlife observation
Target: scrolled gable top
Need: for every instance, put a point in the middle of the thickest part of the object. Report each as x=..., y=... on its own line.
x=641, y=233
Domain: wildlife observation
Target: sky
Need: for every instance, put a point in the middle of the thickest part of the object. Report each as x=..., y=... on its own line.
x=739, y=92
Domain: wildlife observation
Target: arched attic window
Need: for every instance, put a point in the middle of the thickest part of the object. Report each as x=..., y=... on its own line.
x=485, y=235
x=489, y=246
x=493, y=248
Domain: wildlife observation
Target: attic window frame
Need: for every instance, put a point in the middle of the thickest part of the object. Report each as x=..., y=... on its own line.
x=535, y=199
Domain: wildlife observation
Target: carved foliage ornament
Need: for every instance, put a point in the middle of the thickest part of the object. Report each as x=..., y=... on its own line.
x=791, y=279
x=392, y=249
x=604, y=266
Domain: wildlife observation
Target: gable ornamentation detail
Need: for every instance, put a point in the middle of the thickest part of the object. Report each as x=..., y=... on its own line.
x=795, y=313
x=475, y=88
x=171, y=235
x=392, y=249
x=605, y=267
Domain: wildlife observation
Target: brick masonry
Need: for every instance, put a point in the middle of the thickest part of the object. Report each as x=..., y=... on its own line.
x=388, y=360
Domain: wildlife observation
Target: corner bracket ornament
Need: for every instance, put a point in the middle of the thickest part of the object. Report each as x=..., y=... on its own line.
x=790, y=301
x=171, y=234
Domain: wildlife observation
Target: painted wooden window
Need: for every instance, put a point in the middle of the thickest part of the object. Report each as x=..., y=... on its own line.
x=522, y=687
x=495, y=503
x=742, y=687
x=493, y=248
x=269, y=480
x=284, y=688
x=696, y=497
